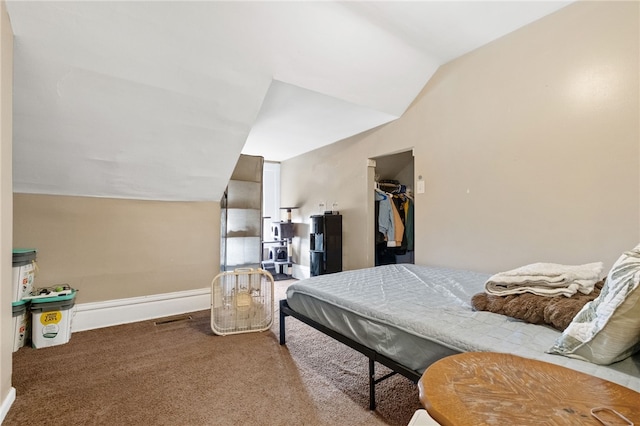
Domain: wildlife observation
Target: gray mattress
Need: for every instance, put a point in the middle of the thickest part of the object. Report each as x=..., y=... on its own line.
x=416, y=315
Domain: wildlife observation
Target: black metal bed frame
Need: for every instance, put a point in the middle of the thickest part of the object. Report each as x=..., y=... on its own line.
x=373, y=356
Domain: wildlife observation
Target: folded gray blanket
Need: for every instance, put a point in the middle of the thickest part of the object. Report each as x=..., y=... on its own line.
x=546, y=279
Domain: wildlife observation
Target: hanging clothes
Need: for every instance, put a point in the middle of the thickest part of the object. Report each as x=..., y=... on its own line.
x=394, y=213
x=386, y=224
x=398, y=235
x=390, y=220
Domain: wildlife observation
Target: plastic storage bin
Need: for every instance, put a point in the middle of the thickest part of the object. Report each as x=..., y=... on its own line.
x=24, y=272
x=51, y=320
x=20, y=324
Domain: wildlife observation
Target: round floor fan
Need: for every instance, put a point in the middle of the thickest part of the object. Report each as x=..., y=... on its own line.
x=242, y=301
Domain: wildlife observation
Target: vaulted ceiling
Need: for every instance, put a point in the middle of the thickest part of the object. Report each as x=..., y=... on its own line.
x=157, y=99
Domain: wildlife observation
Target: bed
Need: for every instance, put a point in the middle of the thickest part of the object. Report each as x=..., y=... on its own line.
x=407, y=316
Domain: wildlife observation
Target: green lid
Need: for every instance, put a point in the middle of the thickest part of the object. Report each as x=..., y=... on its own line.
x=23, y=257
x=24, y=250
x=18, y=308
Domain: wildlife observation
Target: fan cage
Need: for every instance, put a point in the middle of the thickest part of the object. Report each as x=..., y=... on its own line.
x=242, y=301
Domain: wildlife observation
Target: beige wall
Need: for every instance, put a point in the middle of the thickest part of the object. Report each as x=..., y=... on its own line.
x=114, y=249
x=6, y=90
x=529, y=147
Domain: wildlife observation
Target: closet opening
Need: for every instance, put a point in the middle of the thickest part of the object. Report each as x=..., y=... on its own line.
x=393, y=208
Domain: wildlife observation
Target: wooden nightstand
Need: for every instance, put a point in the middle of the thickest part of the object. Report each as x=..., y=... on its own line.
x=477, y=388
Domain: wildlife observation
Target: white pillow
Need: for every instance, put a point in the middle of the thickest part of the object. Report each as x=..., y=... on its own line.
x=607, y=329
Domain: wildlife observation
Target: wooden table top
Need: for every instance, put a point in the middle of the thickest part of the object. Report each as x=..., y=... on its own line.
x=487, y=388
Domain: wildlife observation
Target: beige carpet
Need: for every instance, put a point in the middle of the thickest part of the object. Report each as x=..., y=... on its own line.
x=180, y=373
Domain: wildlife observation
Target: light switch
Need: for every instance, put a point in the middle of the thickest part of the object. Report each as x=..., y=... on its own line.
x=420, y=188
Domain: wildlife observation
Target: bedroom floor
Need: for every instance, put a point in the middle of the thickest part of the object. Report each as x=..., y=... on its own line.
x=180, y=373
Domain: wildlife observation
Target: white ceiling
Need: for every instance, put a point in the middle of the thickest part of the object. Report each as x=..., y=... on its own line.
x=157, y=99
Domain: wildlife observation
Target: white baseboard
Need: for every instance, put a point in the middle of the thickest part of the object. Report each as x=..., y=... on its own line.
x=7, y=403
x=89, y=316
